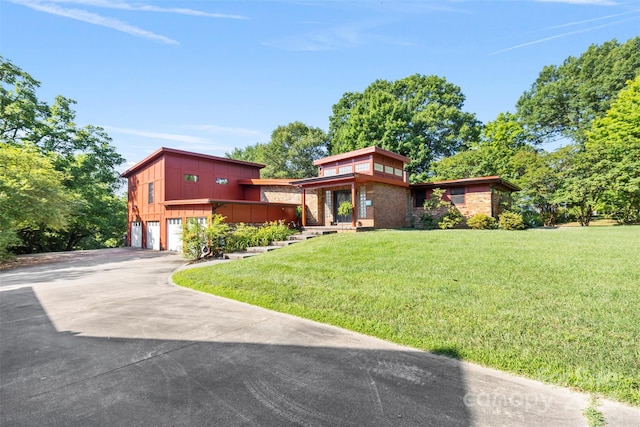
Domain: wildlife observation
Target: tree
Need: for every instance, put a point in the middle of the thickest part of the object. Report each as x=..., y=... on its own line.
x=613, y=146
x=501, y=139
x=565, y=99
x=31, y=194
x=419, y=117
x=83, y=155
x=540, y=182
x=290, y=153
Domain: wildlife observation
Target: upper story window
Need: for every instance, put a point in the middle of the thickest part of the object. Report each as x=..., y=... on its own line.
x=378, y=167
x=345, y=169
x=150, y=187
x=456, y=195
x=190, y=178
x=398, y=172
x=329, y=172
x=388, y=169
x=362, y=167
x=222, y=181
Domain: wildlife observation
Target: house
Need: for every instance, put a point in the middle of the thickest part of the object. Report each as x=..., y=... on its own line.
x=170, y=186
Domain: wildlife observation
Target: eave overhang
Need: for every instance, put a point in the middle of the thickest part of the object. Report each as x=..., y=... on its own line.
x=221, y=202
x=490, y=180
x=344, y=179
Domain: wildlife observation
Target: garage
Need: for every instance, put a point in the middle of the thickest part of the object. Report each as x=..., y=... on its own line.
x=174, y=234
x=153, y=235
x=136, y=234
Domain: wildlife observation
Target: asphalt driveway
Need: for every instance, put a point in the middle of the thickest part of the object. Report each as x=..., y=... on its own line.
x=104, y=338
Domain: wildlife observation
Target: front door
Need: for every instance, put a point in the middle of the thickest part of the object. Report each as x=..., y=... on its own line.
x=339, y=197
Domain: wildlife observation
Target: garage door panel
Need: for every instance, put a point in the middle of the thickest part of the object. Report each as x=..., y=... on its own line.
x=174, y=234
x=153, y=235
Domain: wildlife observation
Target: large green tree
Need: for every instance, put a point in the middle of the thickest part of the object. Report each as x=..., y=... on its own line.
x=31, y=194
x=418, y=116
x=500, y=140
x=613, y=148
x=289, y=154
x=83, y=155
x=565, y=99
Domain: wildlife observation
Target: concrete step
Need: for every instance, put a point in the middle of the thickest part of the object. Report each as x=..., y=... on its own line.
x=302, y=236
x=240, y=255
x=261, y=249
x=285, y=243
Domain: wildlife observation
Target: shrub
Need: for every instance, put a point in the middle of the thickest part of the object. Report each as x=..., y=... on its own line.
x=245, y=235
x=428, y=221
x=510, y=221
x=481, y=222
x=451, y=219
x=199, y=240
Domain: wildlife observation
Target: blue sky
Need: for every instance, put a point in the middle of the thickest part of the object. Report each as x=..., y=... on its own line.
x=208, y=76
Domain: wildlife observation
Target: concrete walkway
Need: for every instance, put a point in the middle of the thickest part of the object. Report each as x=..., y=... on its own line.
x=106, y=339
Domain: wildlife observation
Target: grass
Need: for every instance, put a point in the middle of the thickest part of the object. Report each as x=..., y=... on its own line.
x=561, y=306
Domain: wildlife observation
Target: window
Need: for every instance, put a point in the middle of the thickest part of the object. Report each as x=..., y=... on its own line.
x=378, y=167
x=362, y=167
x=329, y=172
x=363, y=202
x=222, y=181
x=150, y=193
x=456, y=195
x=345, y=169
x=419, y=196
x=190, y=178
x=388, y=169
x=398, y=172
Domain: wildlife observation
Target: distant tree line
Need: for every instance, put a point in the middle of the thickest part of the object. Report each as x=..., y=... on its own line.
x=589, y=104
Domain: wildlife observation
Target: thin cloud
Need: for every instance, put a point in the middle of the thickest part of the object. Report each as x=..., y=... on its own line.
x=335, y=38
x=107, y=4
x=557, y=36
x=228, y=130
x=95, y=19
x=586, y=21
x=585, y=2
x=158, y=135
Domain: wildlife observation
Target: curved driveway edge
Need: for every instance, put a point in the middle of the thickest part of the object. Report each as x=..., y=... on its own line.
x=108, y=340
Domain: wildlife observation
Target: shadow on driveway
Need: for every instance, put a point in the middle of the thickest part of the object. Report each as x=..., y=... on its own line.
x=51, y=377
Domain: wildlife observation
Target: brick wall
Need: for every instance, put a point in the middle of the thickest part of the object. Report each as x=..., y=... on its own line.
x=280, y=194
x=476, y=202
x=389, y=205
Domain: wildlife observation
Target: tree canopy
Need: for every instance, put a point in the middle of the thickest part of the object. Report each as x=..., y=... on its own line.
x=83, y=157
x=418, y=116
x=565, y=99
x=289, y=154
x=613, y=146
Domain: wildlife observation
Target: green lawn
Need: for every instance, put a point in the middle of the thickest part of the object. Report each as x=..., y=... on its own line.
x=561, y=306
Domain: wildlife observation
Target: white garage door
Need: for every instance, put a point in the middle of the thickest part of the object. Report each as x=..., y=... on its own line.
x=174, y=234
x=153, y=235
x=136, y=234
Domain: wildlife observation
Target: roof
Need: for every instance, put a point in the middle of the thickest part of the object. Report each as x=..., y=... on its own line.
x=164, y=150
x=184, y=202
x=469, y=181
x=342, y=179
x=361, y=152
x=266, y=181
